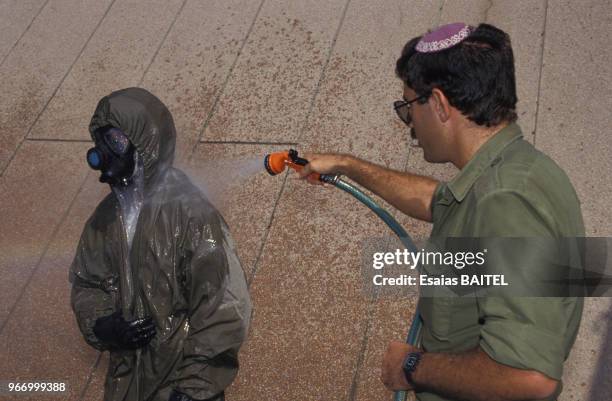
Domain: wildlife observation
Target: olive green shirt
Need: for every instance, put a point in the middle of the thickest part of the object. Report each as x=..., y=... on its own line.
x=508, y=189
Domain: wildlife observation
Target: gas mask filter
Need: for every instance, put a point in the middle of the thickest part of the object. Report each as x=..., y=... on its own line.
x=113, y=155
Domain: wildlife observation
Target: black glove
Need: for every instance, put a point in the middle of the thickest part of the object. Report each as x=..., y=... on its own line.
x=118, y=333
x=178, y=396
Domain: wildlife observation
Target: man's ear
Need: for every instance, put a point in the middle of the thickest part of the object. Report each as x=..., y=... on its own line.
x=440, y=104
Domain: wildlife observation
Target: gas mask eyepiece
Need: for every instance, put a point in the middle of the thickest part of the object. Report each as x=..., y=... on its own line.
x=113, y=155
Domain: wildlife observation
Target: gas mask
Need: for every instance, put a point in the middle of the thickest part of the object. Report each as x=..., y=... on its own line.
x=113, y=155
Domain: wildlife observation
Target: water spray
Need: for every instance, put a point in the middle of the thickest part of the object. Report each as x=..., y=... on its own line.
x=276, y=163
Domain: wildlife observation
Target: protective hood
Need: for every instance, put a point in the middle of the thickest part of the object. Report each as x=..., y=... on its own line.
x=146, y=121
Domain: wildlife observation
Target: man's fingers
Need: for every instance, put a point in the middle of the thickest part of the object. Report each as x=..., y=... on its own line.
x=306, y=171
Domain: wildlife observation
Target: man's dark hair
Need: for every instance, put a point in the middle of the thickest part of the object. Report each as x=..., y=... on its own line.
x=476, y=75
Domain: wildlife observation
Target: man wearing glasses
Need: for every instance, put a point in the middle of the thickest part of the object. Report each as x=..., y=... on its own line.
x=459, y=103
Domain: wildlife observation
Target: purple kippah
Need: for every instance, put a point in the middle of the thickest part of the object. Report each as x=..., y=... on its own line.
x=444, y=37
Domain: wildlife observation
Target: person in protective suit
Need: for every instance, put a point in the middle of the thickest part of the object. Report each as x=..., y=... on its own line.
x=156, y=279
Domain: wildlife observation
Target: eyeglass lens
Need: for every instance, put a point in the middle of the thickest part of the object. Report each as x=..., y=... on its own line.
x=401, y=108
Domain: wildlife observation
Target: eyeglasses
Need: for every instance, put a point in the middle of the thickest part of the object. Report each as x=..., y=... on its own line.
x=402, y=108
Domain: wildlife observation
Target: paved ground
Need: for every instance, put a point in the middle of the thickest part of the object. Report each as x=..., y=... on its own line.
x=243, y=78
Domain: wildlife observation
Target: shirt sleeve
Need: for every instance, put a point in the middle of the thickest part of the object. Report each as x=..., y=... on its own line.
x=437, y=201
x=519, y=331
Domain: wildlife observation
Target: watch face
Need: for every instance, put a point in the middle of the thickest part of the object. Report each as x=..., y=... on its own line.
x=411, y=362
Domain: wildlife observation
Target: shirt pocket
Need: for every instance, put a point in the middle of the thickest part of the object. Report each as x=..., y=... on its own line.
x=450, y=318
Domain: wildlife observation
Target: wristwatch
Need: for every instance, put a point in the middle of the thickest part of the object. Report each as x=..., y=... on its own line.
x=410, y=364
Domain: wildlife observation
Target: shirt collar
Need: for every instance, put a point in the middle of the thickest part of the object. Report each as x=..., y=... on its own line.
x=484, y=157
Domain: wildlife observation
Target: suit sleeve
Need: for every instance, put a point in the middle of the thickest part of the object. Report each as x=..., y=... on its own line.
x=92, y=294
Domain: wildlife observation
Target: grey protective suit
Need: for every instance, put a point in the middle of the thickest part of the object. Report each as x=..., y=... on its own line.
x=180, y=267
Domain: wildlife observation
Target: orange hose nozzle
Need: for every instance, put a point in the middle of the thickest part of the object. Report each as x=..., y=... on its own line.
x=276, y=163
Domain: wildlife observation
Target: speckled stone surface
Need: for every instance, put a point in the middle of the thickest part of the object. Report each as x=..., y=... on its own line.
x=116, y=57
x=572, y=128
x=195, y=61
x=353, y=112
x=42, y=328
x=310, y=312
x=15, y=18
x=35, y=193
x=95, y=389
x=272, y=85
x=37, y=65
x=469, y=11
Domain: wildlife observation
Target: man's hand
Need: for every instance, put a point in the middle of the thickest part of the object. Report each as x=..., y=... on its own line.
x=392, y=373
x=118, y=333
x=324, y=164
x=468, y=375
